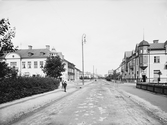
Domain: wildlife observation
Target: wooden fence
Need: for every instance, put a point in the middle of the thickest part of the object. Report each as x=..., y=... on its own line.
x=157, y=88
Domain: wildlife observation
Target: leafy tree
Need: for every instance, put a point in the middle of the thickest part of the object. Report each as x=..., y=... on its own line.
x=6, y=46
x=6, y=72
x=4, y=69
x=6, y=35
x=54, y=67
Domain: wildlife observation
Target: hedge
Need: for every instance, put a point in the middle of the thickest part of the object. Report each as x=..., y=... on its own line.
x=12, y=89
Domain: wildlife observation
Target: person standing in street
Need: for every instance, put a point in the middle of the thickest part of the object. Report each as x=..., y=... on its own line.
x=65, y=86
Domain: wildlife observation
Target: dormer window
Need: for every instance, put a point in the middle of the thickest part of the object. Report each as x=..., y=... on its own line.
x=42, y=53
x=30, y=53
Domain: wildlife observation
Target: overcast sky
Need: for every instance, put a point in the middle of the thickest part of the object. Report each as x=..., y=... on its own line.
x=111, y=27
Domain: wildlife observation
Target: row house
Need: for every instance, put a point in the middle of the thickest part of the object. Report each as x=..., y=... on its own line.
x=29, y=62
x=147, y=63
x=69, y=73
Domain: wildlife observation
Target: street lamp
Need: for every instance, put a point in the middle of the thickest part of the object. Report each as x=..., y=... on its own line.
x=83, y=41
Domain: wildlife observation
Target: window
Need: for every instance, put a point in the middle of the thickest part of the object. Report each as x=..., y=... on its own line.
x=156, y=75
x=30, y=53
x=145, y=50
x=29, y=65
x=137, y=61
x=42, y=53
x=41, y=64
x=13, y=64
x=156, y=59
x=166, y=65
x=35, y=64
x=23, y=65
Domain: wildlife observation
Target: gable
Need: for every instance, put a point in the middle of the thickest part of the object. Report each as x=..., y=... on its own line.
x=12, y=55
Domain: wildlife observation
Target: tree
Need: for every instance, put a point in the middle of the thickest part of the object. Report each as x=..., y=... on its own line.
x=6, y=45
x=54, y=67
x=6, y=35
x=4, y=69
x=7, y=72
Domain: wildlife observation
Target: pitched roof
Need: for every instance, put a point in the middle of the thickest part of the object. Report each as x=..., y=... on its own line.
x=33, y=53
x=156, y=46
x=127, y=54
x=143, y=43
x=69, y=62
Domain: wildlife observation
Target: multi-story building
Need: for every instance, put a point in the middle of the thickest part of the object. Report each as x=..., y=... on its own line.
x=69, y=73
x=148, y=63
x=29, y=62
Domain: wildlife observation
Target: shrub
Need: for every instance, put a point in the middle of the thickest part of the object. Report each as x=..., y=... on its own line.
x=12, y=89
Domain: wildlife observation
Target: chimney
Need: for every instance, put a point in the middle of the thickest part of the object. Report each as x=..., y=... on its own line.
x=48, y=47
x=29, y=47
x=155, y=41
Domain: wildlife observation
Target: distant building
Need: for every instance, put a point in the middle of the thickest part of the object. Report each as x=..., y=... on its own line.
x=88, y=75
x=147, y=63
x=78, y=74
x=110, y=72
x=29, y=62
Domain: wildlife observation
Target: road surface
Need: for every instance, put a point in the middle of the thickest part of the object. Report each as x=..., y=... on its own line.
x=99, y=103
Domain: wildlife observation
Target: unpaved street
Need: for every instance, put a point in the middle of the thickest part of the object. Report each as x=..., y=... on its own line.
x=99, y=103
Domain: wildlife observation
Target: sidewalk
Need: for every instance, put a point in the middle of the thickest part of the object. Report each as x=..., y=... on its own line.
x=15, y=109
x=154, y=98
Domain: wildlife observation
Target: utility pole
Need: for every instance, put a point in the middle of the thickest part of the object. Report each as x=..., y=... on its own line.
x=83, y=41
x=93, y=71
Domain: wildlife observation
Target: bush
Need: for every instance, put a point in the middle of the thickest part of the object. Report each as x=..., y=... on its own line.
x=12, y=89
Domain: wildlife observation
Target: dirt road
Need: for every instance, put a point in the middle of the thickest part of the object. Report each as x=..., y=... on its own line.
x=99, y=103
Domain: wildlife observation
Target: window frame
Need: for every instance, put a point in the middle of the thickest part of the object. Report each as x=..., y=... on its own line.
x=29, y=64
x=35, y=64
x=23, y=66
x=41, y=63
x=156, y=59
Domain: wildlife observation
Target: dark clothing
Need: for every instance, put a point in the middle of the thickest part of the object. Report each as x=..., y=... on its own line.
x=144, y=78
x=64, y=85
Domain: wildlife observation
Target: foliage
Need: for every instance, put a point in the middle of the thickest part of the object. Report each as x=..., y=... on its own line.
x=54, y=67
x=6, y=72
x=20, y=87
x=114, y=76
x=4, y=69
x=6, y=35
x=6, y=46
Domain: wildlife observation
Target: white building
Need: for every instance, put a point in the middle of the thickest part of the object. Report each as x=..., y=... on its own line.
x=30, y=62
x=110, y=72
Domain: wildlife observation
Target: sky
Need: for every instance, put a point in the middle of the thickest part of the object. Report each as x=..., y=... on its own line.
x=111, y=27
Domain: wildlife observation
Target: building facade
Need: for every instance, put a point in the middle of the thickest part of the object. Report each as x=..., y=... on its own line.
x=147, y=63
x=29, y=62
x=69, y=73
